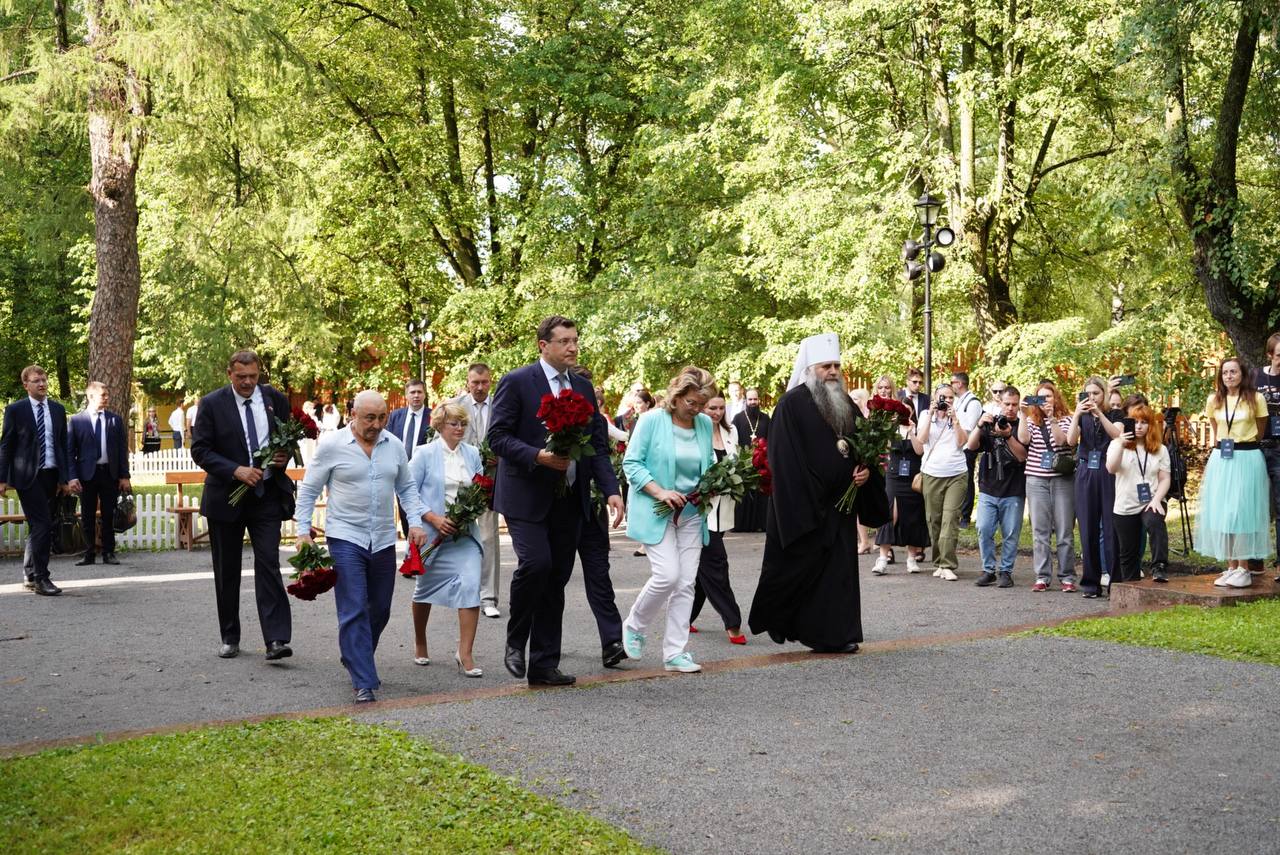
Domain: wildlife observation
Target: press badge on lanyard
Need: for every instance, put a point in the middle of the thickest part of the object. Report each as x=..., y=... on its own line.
x=1095, y=459
x=1144, y=493
x=1227, y=448
x=1275, y=426
x=1046, y=461
x=904, y=468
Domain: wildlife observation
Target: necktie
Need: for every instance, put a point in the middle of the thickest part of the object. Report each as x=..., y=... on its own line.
x=97, y=433
x=252, y=429
x=40, y=435
x=482, y=422
x=411, y=437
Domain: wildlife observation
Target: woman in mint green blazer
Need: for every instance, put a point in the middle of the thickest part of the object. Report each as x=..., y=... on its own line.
x=670, y=448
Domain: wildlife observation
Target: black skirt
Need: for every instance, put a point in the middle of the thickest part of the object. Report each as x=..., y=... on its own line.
x=911, y=529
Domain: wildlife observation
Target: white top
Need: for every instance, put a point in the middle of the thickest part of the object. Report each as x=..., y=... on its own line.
x=176, y=421
x=191, y=414
x=942, y=459
x=456, y=472
x=329, y=419
x=1130, y=475
x=969, y=411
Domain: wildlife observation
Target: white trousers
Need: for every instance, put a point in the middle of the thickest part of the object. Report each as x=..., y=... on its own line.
x=491, y=563
x=673, y=563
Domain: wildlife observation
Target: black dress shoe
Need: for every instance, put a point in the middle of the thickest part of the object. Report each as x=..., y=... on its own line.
x=777, y=637
x=613, y=654
x=986, y=579
x=278, y=650
x=45, y=588
x=110, y=558
x=86, y=561
x=365, y=696
x=514, y=660
x=228, y=651
x=851, y=647
x=551, y=678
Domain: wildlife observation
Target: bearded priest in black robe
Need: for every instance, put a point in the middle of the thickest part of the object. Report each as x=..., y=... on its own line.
x=751, y=424
x=808, y=589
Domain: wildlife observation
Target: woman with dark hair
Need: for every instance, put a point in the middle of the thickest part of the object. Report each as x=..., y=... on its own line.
x=1091, y=433
x=1051, y=500
x=713, y=565
x=908, y=527
x=1234, y=495
x=1140, y=463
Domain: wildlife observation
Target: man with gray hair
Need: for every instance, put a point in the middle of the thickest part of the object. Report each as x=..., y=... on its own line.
x=808, y=589
x=365, y=469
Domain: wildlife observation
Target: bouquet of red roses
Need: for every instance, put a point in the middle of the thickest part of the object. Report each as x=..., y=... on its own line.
x=488, y=467
x=869, y=444
x=287, y=437
x=567, y=417
x=760, y=460
x=313, y=571
x=472, y=501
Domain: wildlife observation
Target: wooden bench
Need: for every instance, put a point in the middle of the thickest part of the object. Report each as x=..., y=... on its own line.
x=187, y=537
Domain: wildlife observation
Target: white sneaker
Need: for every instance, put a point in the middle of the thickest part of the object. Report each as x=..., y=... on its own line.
x=1106, y=579
x=491, y=611
x=881, y=566
x=946, y=575
x=913, y=566
x=682, y=663
x=937, y=573
x=1239, y=578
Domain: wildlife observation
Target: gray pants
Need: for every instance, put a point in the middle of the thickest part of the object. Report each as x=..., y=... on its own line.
x=1052, y=504
x=491, y=563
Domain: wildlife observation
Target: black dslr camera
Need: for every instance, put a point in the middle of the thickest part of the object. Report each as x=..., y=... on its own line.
x=942, y=405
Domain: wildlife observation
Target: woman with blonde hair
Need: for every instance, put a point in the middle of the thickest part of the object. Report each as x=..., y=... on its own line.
x=452, y=577
x=1140, y=463
x=669, y=450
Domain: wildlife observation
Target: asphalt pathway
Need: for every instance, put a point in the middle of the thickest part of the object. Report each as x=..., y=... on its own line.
x=924, y=742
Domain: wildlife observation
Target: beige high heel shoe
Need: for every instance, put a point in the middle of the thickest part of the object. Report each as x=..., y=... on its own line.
x=470, y=672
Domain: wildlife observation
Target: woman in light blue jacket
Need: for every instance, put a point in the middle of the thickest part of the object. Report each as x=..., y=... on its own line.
x=669, y=450
x=452, y=576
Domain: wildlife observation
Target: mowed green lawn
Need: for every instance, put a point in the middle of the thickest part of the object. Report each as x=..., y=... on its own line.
x=1249, y=632
x=284, y=786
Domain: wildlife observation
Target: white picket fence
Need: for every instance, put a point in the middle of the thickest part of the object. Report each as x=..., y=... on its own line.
x=157, y=529
x=162, y=461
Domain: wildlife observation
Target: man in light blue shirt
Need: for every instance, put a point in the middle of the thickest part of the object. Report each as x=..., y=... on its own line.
x=365, y=469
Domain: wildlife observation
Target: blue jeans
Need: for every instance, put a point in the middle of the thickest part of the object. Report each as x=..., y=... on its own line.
x=1007, y=513
x=366, y=581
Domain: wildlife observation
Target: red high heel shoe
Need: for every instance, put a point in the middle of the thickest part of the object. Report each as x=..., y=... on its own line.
x=692, y=628
x=740, y=638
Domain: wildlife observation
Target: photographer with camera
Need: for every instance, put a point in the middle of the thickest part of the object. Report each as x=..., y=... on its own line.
x=1001, y=488
x=1267, y=379
x=1091, y=433
x=1234, y=520
x=1051, y=500
x=941, y=439
x=1140, y=463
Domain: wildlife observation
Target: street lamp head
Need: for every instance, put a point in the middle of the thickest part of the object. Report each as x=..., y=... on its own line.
x=410, y=327
x=927, y=209
x=914, y=269
x=935, y=262
x=945, y=237
x=910, y=250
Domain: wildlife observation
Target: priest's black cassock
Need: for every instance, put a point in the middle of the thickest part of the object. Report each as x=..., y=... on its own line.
x=750, y=513
x=808, y=588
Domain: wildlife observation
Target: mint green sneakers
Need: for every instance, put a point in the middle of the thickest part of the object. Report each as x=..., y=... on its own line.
x=632, y=643
x=683, y=663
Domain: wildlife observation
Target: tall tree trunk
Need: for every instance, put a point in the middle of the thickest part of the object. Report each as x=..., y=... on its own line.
x=115, y=147
x=1209, y=200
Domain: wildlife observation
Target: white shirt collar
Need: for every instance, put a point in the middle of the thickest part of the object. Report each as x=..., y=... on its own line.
x=35, y=403
x=551, y=373
x=455, y=451
x=256, y=397
x=416, y=412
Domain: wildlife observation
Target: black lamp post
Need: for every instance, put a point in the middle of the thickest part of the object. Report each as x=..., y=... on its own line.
x=420, y=334
x=927, y=210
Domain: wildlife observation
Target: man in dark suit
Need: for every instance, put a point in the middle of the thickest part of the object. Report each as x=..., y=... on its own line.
x=233, y=422
x=99, y=455
x=33, y=460
x=544, y=525
x=411, y=424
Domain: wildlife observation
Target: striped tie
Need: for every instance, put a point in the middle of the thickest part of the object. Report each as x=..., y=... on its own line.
x=40, y=436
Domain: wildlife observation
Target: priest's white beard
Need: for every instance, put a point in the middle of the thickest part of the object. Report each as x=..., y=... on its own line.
x=833, y=403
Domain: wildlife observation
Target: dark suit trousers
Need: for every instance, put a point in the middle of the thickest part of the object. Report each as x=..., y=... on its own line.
x=713, y=583
x=593, y=552
x=226, y=540
x=102, y=490
x=38, y=507
x=544, y=563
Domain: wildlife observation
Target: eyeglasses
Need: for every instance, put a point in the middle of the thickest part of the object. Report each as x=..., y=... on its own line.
x=565, y=342
x=999, y=391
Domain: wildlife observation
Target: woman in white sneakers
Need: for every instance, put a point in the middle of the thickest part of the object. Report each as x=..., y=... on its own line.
x=940, y=440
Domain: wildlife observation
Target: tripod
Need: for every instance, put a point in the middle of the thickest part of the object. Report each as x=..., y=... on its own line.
x=1178, y=467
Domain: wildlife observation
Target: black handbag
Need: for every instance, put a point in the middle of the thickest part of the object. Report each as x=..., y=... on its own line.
x=1063, y=462
x=126, y=515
